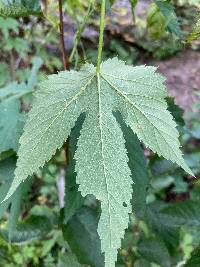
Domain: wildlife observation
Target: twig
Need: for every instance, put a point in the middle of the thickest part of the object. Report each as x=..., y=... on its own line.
x=62, y=42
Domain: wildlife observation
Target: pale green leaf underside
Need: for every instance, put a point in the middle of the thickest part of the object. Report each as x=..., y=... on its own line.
x=101, y=157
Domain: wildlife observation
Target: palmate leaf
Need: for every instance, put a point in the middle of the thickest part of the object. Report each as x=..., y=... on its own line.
x=101, y=158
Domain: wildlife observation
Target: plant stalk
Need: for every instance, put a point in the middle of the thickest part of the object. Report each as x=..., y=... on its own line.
x=62, y=41
x=102, y=25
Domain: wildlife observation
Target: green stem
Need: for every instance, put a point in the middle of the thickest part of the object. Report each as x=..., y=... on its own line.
x=80, y=30
x=102, y=25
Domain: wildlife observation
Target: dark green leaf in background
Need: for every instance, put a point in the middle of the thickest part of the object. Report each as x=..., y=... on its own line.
x=81, y=234
x=137, y=165
x=68, y=259
x=168, y=12
x=154, y=250
x=33, y=228
x=194, y=261
x=176, y=111
x=160, y=226
x=16, y=90
x=73, y=198
x=182, y=213
x=11, y=124
x=7, y=167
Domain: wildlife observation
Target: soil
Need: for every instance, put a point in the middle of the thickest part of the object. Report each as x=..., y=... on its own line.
x=183, y=77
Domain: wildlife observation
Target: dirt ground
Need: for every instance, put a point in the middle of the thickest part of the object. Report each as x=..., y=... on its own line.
x=183, y=77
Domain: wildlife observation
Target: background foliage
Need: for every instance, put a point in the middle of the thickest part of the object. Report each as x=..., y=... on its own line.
x=35, y=229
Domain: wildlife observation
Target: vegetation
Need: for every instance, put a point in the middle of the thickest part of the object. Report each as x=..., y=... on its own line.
x=91, y=169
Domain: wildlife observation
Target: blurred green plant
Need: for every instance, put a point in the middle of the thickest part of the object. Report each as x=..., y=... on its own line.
x=164, y=226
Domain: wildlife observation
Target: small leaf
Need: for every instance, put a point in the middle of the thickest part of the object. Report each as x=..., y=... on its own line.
x=17, y=90
x=11, y=125
x=33, y=78
x=168, y=12
x=155, y=18
x=68, y=259
x=33, y=228
x=7, y=167
x=18, y=196
x=195, y=34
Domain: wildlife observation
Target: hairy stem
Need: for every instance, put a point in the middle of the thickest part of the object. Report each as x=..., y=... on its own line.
x=62, y=42
x=102, y=25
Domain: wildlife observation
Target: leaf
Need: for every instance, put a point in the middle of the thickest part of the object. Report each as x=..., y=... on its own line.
x=12, y=90
x=11, y=125
x=33, y=228
x=168, y=12
x=73, y=198
x=154, y=250
x=33, y=78
x=195, y=34
x=155, y=18
x=81, y=234
x=137, y=164
x=176, y=111
x=101, y=157
x=161, y=226
x=15, y=209
x=194, y=261
x=19, y=8
x=161, y=182
x=17, y=90
x=182, y=213
x=7, y=168
x=68, y=259
x=7, y=24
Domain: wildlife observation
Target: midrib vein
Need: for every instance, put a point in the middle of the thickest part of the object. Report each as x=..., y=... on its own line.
x=102, y=153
